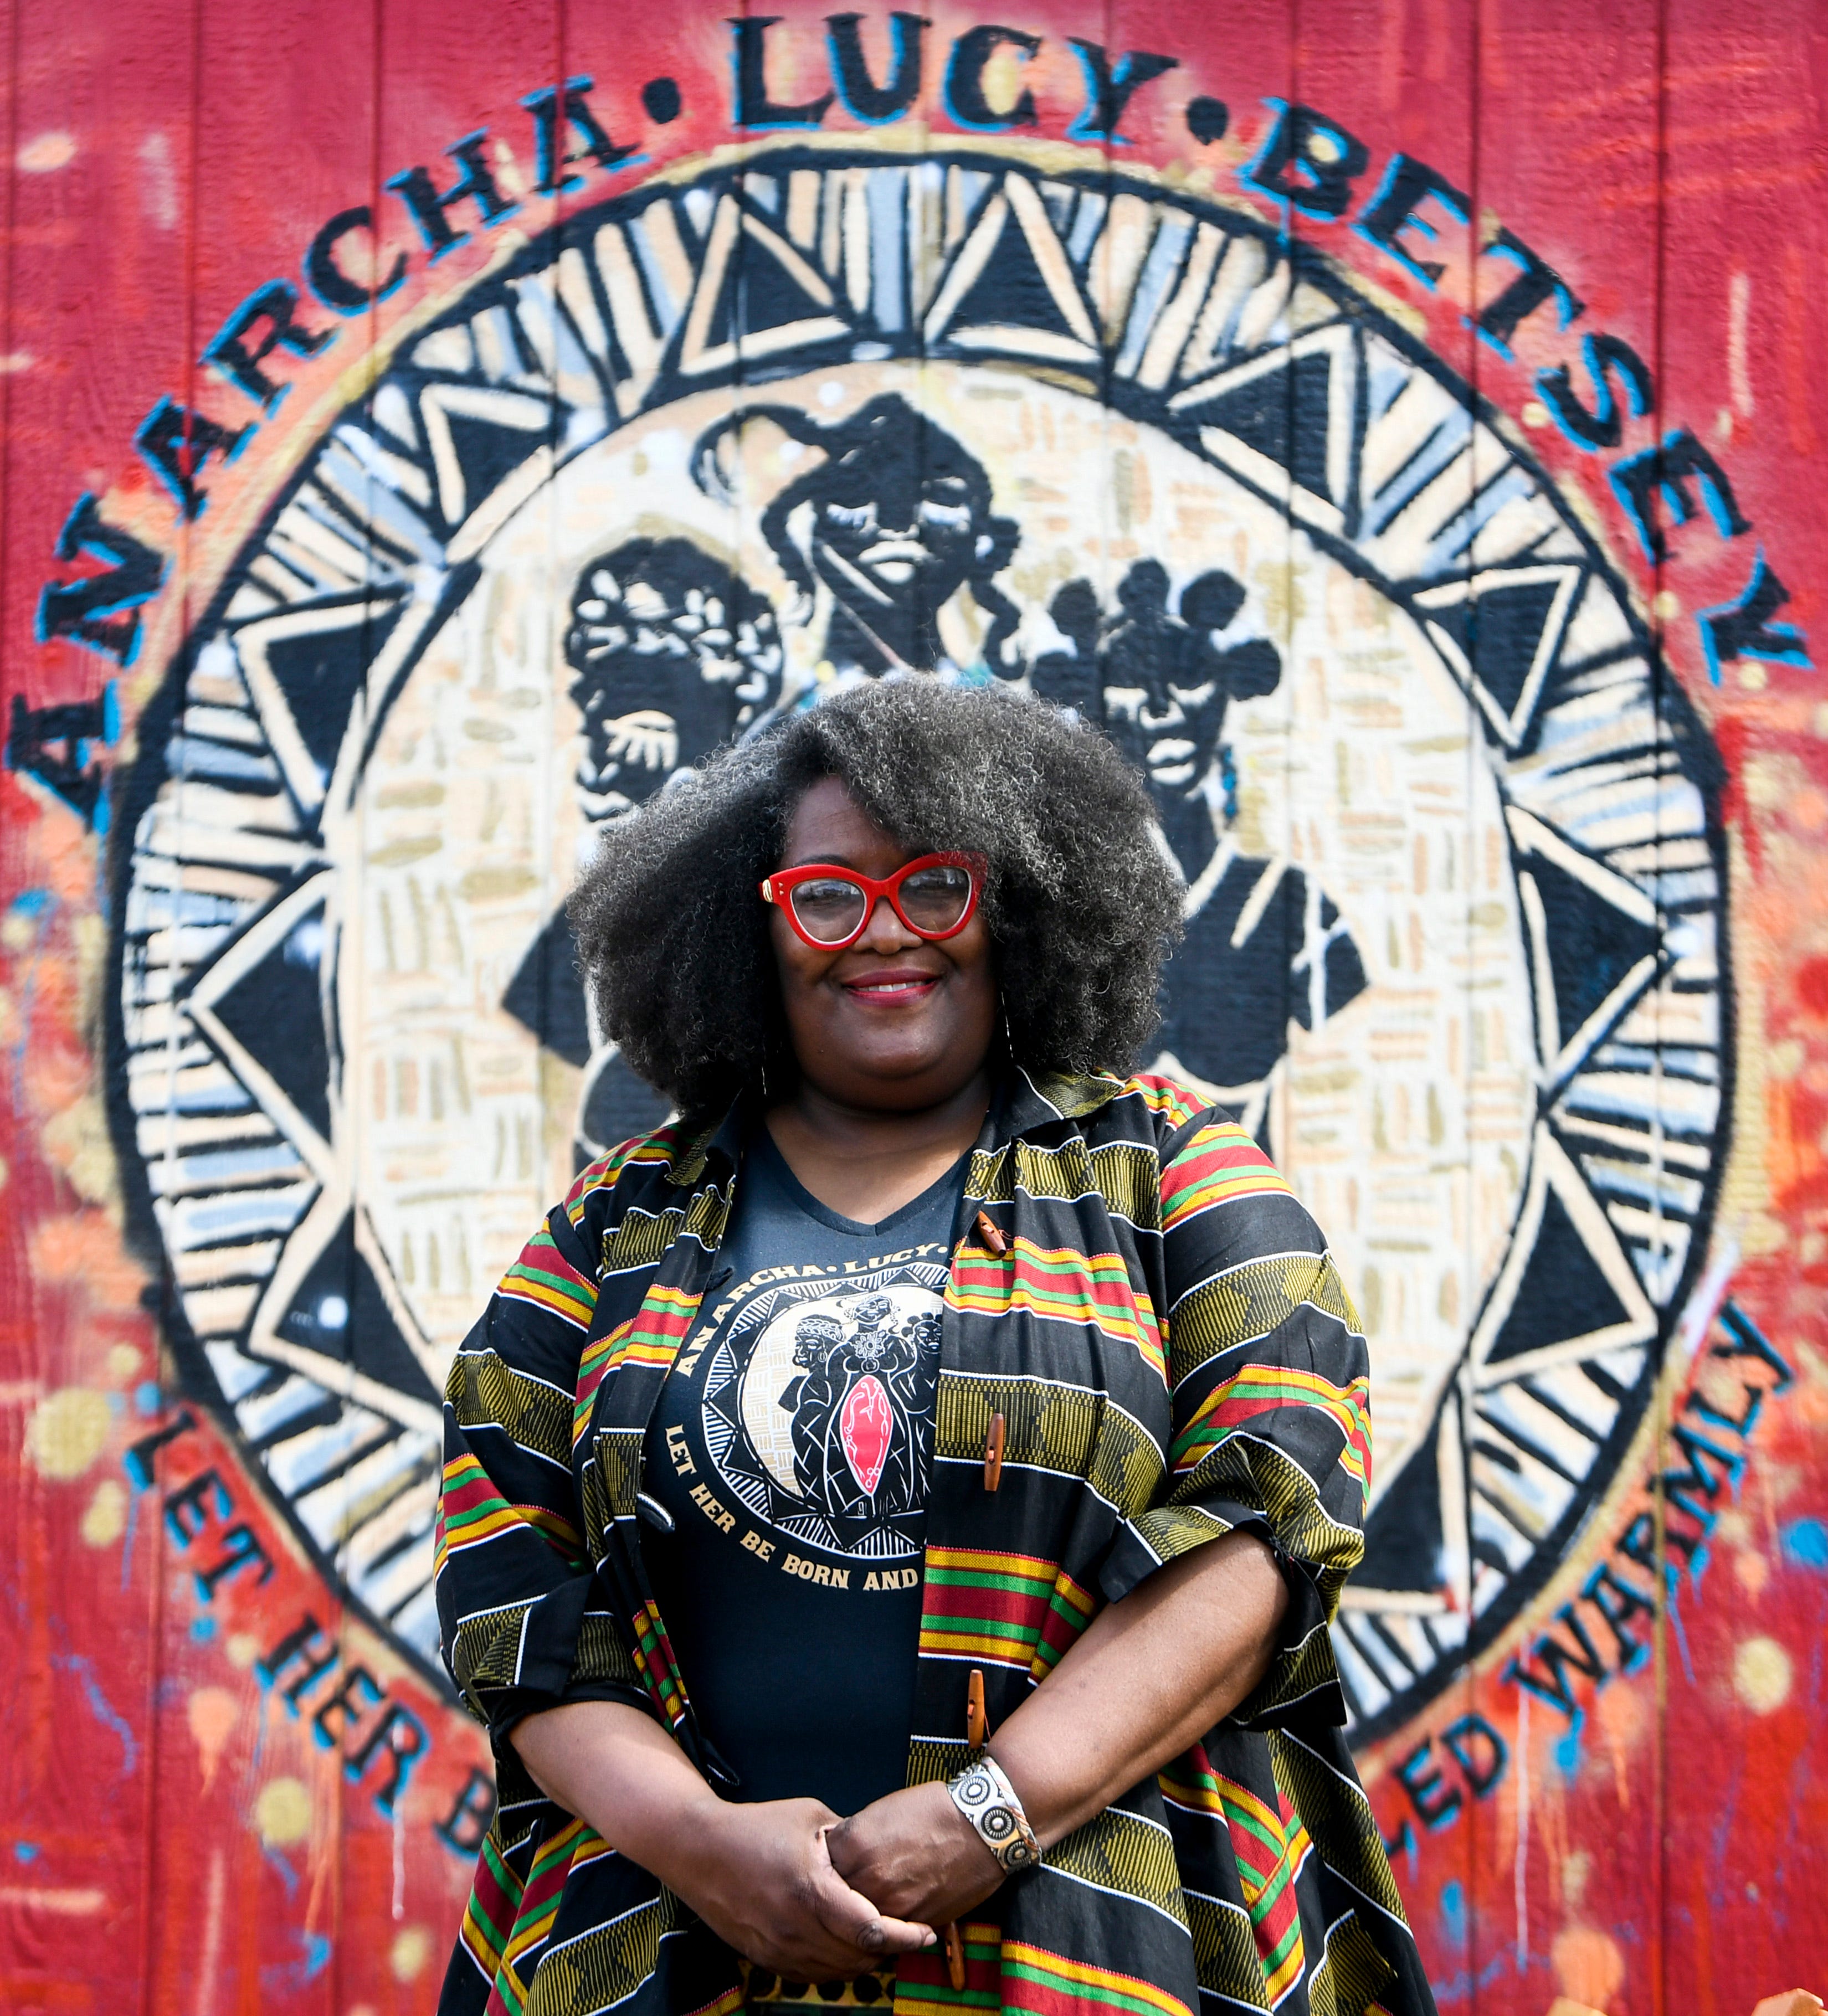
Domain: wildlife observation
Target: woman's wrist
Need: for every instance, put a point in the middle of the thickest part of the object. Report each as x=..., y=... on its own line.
x=1044, y=1800
x=683, y=1838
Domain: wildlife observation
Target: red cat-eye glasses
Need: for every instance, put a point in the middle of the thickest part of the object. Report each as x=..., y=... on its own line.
x=829, y=907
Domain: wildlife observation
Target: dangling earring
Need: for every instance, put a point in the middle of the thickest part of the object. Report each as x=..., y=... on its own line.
x=1008, y=1040
x=764, y=1081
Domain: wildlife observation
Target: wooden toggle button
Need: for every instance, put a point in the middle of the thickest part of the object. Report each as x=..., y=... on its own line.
x=991, y=1234
x=954, y=1955
x=994, y=1453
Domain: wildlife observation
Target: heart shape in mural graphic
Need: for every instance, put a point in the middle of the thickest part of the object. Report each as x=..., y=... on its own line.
x=866, y=1421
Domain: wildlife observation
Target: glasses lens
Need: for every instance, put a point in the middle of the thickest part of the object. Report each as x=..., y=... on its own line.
x=829, y=908
x=934, y=900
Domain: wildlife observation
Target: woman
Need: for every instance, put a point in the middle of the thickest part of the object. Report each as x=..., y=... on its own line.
x=926, y=1378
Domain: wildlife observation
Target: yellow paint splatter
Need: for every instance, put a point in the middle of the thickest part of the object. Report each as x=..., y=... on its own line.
x=412, y=1949
x=77, y=1140
x=68, y=1430
x=123, y=1363
x=282, y=1812
x=106, y=1519
x=242, y=1649
x=1761, y=1675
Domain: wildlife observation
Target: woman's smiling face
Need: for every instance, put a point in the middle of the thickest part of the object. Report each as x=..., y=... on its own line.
x=894, y=1023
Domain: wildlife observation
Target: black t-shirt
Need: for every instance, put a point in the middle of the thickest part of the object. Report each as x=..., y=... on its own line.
x=791, y=1446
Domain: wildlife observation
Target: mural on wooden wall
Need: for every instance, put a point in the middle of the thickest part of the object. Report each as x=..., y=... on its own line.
x=1396, y=434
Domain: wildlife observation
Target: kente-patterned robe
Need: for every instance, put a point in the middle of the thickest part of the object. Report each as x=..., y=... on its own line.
x=1174, y=1357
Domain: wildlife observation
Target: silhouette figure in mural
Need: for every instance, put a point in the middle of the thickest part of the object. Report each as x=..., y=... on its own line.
x=1264, y=944
x=880, y=534
x=673, y=656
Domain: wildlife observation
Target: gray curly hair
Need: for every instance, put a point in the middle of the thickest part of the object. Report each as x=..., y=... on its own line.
x=1081, y=907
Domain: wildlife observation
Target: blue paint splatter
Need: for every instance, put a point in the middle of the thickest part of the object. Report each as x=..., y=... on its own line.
x=1674, y=1611
x=1453, y=1910
x=147, y=1397
x=1805, y=1542
x=288, y=1875
x=203, y=1630
x=1461, y=1986
x=100, y=1707
x=291, y=1976
x=1567, y=1752
x=25, y=1851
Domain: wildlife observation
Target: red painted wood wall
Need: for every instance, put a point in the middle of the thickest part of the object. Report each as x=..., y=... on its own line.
x=1588, y=1669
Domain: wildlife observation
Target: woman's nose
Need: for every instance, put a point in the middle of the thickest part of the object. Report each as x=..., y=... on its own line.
x=885, y=932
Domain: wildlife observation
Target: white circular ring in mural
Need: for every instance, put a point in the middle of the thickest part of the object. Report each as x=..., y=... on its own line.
x=1455, y=918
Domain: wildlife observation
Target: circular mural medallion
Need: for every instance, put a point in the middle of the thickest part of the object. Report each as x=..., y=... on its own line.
x=1454, y=916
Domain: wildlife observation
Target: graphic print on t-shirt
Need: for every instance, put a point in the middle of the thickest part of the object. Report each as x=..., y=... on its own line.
x=818, y=1404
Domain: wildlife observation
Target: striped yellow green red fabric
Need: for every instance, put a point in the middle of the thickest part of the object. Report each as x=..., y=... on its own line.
x=470, y=1511
x=494, y=1903
x=1220, y=1165
x=568, y=1849
x=1255, y=1391
x=922, y=1982
x=655, y=1151
x=1172, y=1102
x=1061, y=1285
x=599, y=1354
x=1270, y=1844
x=659, y=1329
x=1005, y=1610
x=545, y=1277
x=655, y=1663
x=1050, y=1984
x=651, y=1336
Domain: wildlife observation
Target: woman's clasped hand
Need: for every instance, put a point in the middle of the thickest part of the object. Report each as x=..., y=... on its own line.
x=916, y=1855
x=809, y=1896
x=760, y=1874
x=766, y=1882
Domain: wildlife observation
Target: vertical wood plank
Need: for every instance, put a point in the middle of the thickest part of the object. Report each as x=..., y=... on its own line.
x=78, y=1344
x=451, y=873
x=1585, y=1850
x=1740, y=219
x=251, y=1799
x=1400, y=76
